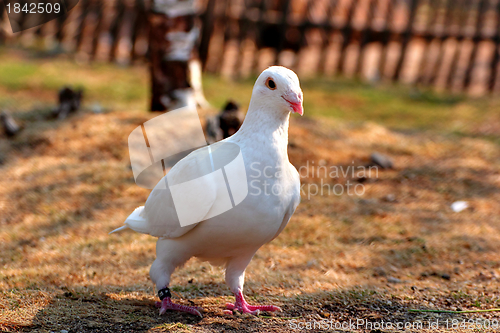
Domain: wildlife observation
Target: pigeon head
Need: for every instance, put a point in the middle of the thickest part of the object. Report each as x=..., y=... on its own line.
x=278, y=86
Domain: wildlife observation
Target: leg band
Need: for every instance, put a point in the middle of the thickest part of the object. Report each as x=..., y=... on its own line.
x=165, y=292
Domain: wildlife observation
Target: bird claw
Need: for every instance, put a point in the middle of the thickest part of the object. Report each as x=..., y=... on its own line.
x=243, y=307
x=167, y=304
x=232, y=309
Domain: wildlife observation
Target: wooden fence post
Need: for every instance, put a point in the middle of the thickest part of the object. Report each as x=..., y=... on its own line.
x=475, y=39
x=282, y=26
x=365, y=37
x=346, y=32
x=464, y=15
x=227, y=32
x=496, y=55
x=206, y=33
x=98, y=28
x=386, y=37
x=257, y=26
x=428, y=36
x=85, y=9
x=244, y=26
x=139, y=27
x=1, y=20
x=406, y=38
x=446, y=34
x=327, y=34
x=303, y=28
x=114, y=30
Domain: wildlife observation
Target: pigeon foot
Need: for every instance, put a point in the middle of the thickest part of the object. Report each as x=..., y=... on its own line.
x=242, y=306
x=167, y=304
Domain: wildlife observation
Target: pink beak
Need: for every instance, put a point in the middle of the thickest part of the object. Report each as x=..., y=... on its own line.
x=295, y=101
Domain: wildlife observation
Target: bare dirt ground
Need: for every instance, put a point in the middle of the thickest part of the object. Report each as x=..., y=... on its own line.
x=366, y=258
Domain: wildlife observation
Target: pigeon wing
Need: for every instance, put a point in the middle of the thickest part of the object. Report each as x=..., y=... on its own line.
x=189, y=183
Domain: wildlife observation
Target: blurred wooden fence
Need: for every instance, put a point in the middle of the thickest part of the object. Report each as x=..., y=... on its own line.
x=450, y=44
x=113, y=30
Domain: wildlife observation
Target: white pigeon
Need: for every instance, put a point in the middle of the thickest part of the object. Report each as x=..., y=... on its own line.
x=233, y=237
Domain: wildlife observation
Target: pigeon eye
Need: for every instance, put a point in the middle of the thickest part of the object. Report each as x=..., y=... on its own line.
x=270, y=84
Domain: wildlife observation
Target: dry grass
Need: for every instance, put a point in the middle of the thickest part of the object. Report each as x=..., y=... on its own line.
x=66, y=184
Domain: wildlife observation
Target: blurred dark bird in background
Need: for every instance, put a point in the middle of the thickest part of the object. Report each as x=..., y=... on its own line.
x=212, y=130
x=230, y=119
x=10, y=126
x=225, y=123
x=69, y=101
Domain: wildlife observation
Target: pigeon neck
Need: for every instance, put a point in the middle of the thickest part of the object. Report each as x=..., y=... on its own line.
x=267, y=128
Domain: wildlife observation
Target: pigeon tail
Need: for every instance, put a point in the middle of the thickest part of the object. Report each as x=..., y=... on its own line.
x=119, y=229
x=135, y=222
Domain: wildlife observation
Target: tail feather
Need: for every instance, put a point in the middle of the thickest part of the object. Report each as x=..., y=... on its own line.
x=135, y=221
x=119, y=229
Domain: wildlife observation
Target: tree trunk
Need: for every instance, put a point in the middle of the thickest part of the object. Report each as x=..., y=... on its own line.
x=174, y=31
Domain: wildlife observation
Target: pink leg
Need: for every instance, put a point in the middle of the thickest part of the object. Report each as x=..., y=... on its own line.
x=167, y=304
x=242, y=306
